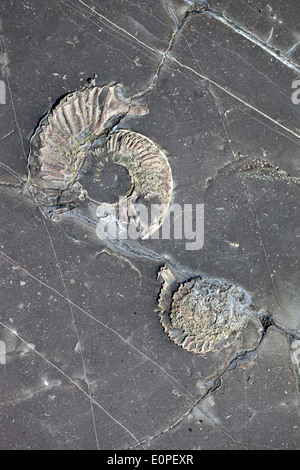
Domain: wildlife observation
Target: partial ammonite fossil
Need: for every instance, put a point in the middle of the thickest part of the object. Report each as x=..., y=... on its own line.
x=75, y=140
x=203, y=315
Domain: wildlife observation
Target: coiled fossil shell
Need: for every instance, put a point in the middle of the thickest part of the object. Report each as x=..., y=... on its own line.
x=76, y=135
x=203, y=315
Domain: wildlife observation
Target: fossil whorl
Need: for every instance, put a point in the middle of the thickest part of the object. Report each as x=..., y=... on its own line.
x=203, y=315
x=59, y=146
x=146, y=163
x=150, y=174
x=76, y=135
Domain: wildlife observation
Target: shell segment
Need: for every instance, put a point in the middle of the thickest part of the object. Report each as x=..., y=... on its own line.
x=202, y=315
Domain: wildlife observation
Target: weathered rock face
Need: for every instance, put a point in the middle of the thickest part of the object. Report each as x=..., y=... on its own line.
x=79, y=325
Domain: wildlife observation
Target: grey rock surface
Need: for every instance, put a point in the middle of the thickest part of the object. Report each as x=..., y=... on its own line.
x=84, y=360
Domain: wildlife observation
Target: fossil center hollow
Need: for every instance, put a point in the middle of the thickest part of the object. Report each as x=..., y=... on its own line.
x=105, y=180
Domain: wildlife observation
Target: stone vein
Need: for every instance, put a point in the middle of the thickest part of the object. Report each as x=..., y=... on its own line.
x=119, y=29
x=219, y=16
x=230, y=93
x=76, y=330
x=168, y=376
x=11, y=98
x=69, y=379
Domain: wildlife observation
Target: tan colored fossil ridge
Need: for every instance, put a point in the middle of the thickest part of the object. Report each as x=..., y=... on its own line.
x=203, y=315
x=77, y=133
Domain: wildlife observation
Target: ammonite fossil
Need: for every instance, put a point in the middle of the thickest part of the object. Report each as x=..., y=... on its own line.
x=75, y=140
x=203, y=315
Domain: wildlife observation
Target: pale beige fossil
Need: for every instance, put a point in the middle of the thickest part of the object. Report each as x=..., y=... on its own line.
x=203, y=315
x=150, y=174
x=78, y=130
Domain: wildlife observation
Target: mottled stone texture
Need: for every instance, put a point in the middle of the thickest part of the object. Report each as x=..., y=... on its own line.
x=87, y=363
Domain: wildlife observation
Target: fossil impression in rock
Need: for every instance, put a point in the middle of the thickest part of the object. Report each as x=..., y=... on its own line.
x=75, y=138
x=203, y=315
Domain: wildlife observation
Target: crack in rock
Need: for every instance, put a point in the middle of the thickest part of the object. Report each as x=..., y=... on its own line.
x=253, y=167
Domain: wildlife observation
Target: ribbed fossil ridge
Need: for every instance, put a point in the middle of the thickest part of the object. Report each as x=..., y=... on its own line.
x=78, y=131
x=202, y=315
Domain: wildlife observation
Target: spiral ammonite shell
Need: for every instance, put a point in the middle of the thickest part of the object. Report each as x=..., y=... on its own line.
x=76, y=136
x=203, y=315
